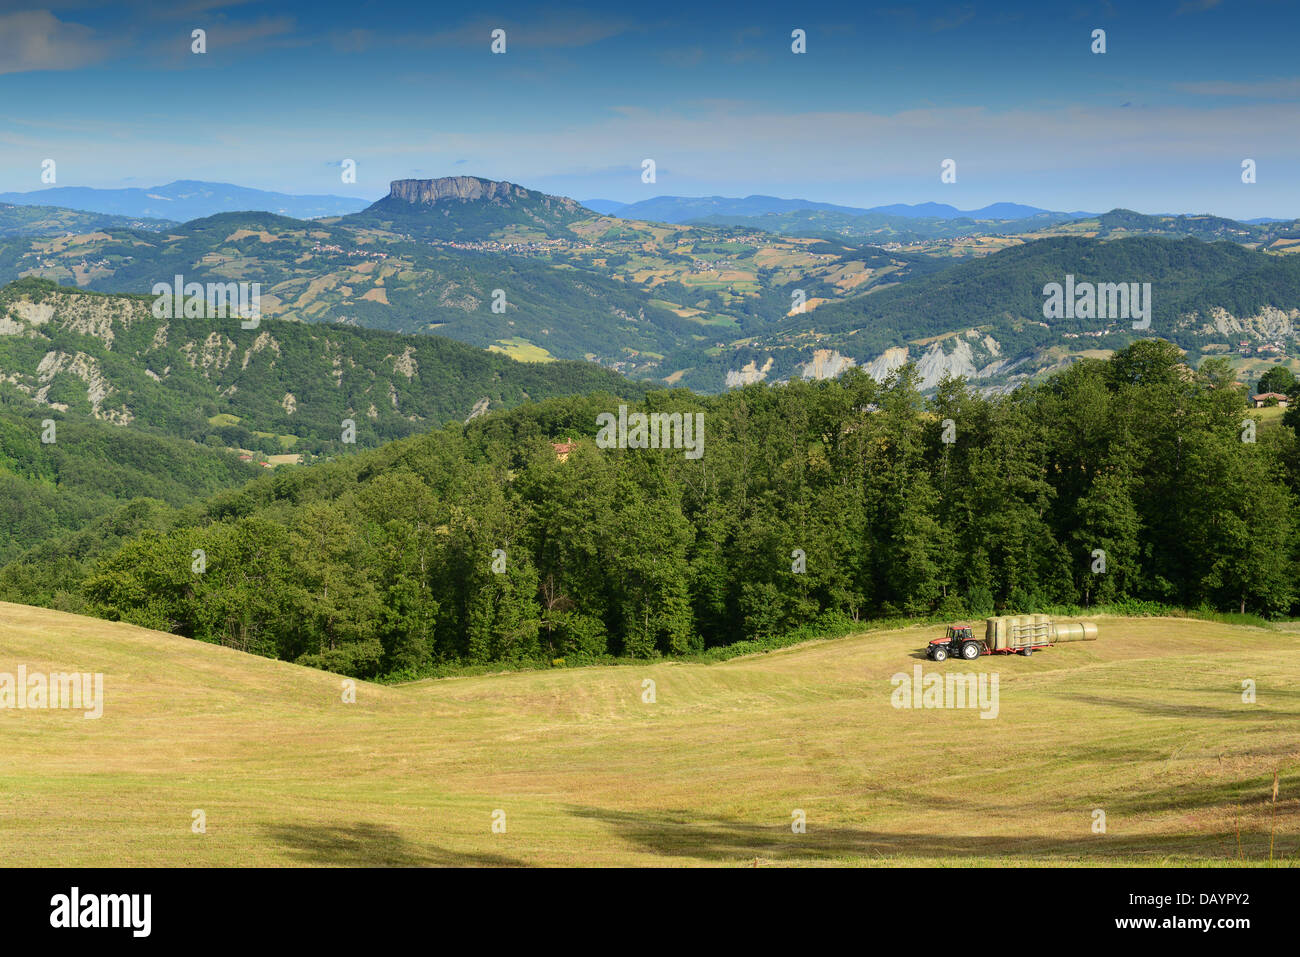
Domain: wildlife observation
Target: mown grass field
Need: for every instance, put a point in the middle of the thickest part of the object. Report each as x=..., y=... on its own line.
x=1147, y=724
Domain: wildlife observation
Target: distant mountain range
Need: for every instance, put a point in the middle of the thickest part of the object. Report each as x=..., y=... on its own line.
x=681, y=209
x=185, y=200
x=606, y=207
x=715, y=302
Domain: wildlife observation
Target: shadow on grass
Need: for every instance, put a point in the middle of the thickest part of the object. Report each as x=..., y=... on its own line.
x=1161, y=709
x=1224, y=801
x=371, y=845
x=678, y=836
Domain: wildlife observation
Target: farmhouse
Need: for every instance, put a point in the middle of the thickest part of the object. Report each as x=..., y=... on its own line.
x=1264, y=398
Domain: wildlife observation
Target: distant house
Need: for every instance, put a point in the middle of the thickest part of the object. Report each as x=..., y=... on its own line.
x=1264, y=398
x=562, y=449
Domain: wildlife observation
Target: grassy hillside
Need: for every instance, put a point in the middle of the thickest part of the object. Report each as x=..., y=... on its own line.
x=1277, y=237
x=964, y=236
x=708, y=306
x=1146, y=723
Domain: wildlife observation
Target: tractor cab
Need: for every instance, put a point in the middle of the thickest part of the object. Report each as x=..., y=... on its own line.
x=958, y=641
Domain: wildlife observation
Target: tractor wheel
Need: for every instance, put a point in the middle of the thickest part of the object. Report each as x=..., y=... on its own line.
x=939, y=653
x=971, y=650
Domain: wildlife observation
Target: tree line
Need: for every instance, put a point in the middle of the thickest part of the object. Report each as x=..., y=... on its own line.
x=516, y=538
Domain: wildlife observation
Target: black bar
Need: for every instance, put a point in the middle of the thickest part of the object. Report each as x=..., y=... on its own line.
x=334, y=907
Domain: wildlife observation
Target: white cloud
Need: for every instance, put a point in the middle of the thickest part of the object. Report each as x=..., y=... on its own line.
x=37, y=40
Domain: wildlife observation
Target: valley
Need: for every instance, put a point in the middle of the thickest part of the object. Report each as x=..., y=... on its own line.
x=706, y=303
x=668, y=437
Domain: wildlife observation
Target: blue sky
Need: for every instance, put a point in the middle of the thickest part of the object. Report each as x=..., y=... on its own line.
x=712, y=92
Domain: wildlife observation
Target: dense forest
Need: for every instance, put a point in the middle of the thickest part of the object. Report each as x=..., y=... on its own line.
x=48, y=489
x=1002, y=295
x=282, y=387
x=813, y=503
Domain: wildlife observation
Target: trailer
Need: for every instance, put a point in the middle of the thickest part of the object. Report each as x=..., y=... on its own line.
x=1008, y=635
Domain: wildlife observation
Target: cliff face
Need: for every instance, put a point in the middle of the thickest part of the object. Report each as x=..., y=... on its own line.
x=463, y=188
x=468, y=189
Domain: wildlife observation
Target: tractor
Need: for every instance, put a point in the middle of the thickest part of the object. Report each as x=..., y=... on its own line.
x=958, y=642
x=1008, y=635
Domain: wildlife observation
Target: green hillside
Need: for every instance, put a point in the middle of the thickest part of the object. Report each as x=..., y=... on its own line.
x=617, y=292
x=712, y=306
x=1001, y=296
x=316, y=273
x=281, y=385
x=90, y=470
x=481, y=544
x=1119, y=223
x=56, y=221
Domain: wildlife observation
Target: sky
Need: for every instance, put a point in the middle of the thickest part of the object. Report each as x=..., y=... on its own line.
x=712, y=92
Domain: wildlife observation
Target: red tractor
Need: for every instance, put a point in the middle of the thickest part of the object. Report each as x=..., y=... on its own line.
x=1009, y=635
x=958, y=642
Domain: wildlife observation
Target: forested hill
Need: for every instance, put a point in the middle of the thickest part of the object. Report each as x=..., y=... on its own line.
x=89, y=474
x=55, y=221
x=1006, y=289
x=1125, y=222
x=811, y=504
x=364, y=276
x=1204, y=297
x=281, y=386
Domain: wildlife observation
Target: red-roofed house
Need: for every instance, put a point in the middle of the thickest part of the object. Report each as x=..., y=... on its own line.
x=562, y=449
x=1264, y=398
